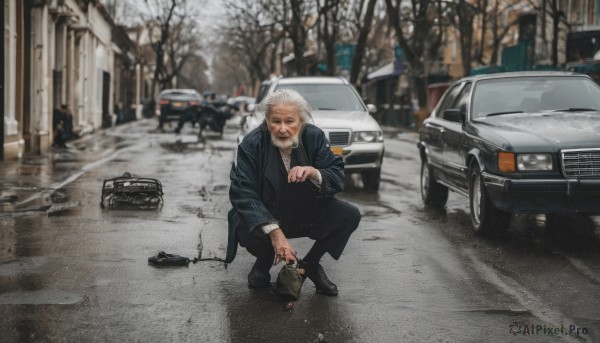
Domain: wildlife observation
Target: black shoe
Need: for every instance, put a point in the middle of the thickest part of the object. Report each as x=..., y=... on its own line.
x=317, y=275
x=258, y=278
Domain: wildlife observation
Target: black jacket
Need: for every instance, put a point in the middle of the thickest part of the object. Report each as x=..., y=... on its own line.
x=246, y=179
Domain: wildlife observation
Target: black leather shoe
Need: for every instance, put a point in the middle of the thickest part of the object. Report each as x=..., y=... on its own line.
x=258, y=278
x=317, y=275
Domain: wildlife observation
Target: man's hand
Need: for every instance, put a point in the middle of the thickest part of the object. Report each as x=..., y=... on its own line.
x=282, y=247
x=301, y=173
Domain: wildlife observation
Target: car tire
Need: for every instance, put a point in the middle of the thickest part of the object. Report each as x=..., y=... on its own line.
x=432, y=193
x=371, y=179
x=485, y=217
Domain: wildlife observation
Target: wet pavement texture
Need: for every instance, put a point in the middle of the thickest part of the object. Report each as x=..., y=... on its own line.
x=71, y=271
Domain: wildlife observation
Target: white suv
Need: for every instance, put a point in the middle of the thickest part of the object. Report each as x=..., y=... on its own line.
x=339, y=111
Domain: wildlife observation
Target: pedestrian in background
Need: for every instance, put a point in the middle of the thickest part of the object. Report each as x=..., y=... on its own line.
x=62, y=126
x=282, y=187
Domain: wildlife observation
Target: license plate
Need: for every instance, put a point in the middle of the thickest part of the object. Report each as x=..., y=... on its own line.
x=177, y=104
x=336, y=150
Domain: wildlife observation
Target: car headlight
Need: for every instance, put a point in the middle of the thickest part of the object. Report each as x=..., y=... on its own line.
x=526, y=162
x=368, y=136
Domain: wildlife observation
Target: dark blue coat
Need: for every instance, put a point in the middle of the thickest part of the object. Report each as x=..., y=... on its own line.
x=245, y=192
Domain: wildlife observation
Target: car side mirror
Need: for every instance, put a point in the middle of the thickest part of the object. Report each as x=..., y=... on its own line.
x=250, y=107
x=455, y=115
x=372, y=108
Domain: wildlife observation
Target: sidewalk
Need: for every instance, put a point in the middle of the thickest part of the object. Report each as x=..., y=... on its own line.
x=33, y=183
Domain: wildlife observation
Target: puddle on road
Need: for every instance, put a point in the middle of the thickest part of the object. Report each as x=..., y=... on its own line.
x=40, y=297
x=60, y=196
x=198, y=211
x=403, y=185
x=27, y=265
x=8, y=198
x=195, y=146
x=30, y=170
x=203, y=193
x=63, y=208
x=372, y=238
x=220, y=188
x=179, y=146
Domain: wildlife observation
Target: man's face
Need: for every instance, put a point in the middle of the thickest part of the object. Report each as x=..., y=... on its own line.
x=284, y=124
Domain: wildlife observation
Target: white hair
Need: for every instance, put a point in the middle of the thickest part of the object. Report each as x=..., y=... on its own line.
x=287, y=96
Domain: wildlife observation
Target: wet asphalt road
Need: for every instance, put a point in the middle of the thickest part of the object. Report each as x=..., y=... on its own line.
x=71, y=272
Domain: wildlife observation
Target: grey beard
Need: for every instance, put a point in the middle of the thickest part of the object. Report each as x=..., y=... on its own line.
x=293, y=142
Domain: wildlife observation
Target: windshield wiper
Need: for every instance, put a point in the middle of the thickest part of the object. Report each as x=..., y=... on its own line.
x=576, y=109
x=326, y=109
x=501, y=113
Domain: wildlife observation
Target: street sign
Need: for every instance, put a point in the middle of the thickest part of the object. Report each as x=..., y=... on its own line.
x=345, y=55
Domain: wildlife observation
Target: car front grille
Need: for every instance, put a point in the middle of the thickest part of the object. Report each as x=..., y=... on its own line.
x=581, y=164
x=339, y=138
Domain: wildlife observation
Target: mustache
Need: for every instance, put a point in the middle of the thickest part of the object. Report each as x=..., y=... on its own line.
x=292, y=141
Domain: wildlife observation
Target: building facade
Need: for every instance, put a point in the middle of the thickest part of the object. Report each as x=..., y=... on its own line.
x=56, y=52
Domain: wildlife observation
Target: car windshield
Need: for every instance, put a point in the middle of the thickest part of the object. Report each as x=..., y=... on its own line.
x=534, y=94
x=328, y=97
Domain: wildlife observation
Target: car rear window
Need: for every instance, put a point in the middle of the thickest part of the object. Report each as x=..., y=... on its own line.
x=328, y=97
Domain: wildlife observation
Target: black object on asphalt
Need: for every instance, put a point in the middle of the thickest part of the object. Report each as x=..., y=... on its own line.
x=164, y=259
x=131, y=192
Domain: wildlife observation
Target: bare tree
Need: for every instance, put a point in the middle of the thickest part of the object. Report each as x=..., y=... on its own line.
x=499, y=31
x=363, y=23
x=553, y=10
x=228, y=74
x=120, y=11
x=419, y=32
x=329, y=24
x=252, y=34
x=173, y=38
x=193, y=73
x=297, y=29
x=461, y=16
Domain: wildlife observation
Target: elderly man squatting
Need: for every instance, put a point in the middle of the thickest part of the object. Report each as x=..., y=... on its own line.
x=282, y=187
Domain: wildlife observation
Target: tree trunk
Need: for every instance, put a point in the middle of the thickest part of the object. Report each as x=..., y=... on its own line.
x=484, y=16
x=361, y=43
x=298, y=37
x=555, y=29
x=465, y=24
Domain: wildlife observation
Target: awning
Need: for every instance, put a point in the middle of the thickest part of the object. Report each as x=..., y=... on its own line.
x=386, y=70
x=288, y=58
x=394, y=68
x=291, y=56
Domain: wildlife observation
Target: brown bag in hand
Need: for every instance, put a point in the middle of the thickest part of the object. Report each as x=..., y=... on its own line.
x=290, y=280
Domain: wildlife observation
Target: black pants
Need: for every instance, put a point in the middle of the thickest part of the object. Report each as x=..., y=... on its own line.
x=188, y=115
x=340, y=221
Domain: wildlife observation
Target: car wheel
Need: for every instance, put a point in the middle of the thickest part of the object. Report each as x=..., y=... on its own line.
x=485, y=217
x=371, y=179
x=432, y=193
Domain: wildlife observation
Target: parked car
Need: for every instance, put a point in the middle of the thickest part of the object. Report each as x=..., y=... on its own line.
x=525, y=142
x=241, y=102
x=173, y=103
x=340, y=112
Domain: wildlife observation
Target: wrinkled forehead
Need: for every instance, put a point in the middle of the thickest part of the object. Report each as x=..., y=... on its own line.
x=283, y=109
